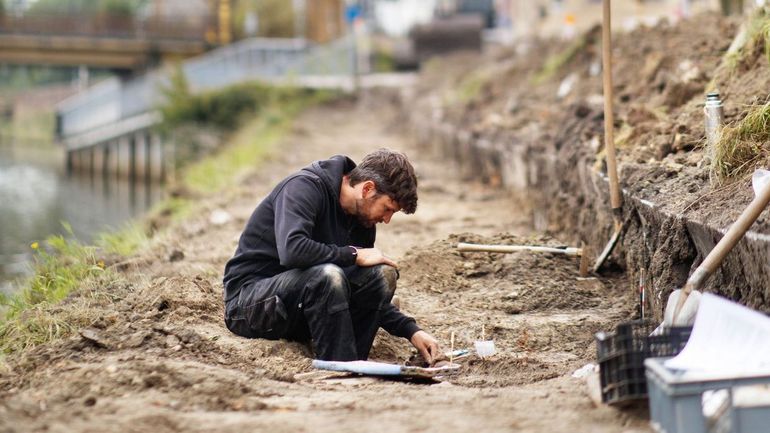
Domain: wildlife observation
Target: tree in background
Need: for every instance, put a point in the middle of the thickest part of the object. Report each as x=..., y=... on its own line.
x=264, y=18
x=732, y=7
x=90, y=7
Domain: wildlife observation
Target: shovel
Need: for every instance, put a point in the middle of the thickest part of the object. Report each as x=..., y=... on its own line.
x=683, y=303
x=609, y=141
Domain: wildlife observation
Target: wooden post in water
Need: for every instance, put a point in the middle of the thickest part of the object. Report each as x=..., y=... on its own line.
x=100, y=161
x=140, y=155
x=156, y=157
x=113, y=155
x=124, y=157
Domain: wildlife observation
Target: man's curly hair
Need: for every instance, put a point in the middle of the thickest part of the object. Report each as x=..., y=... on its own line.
x=392, y=174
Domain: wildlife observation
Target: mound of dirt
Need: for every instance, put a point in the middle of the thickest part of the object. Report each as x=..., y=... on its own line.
x=540, y=314
x=157, y=356
x=660, y=77
x=536, y=121
x=518, y=282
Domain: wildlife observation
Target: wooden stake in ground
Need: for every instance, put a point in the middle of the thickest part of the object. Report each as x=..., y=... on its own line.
x=609, y=140
x=583, y=270
x=451, y=346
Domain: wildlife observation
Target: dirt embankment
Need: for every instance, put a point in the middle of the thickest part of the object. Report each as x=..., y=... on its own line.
x=157, y=356
x=542, y=132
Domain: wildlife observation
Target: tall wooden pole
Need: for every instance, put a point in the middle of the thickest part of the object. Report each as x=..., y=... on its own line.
x=609, y=141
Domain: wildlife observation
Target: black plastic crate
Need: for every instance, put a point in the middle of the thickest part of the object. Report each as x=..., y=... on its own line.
x=621, y=356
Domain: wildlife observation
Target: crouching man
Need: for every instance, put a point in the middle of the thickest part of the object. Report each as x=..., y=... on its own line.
x=306, y=267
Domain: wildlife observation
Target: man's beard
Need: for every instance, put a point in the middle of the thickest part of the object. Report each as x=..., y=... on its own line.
x=362, y=206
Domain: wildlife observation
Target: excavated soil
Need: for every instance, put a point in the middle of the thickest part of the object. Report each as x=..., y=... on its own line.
x=506, y=122
x=157, y=356
x=540, y=314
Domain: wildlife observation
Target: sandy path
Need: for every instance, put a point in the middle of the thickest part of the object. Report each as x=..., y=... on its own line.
x=168, y=364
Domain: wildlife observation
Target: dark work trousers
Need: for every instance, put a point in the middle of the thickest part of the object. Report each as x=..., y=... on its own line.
x=338, y=308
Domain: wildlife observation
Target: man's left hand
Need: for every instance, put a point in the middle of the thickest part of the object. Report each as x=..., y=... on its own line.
x=426, y=345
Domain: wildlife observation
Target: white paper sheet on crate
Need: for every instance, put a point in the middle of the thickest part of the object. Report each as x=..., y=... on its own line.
x=727, y=338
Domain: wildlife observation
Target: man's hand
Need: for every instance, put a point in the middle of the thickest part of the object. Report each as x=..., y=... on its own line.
x=372, y=256
x=426, y=345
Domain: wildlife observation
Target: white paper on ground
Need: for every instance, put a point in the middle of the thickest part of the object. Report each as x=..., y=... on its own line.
x=727, y=338
x=759, y=180
x=373, y=368
x=584, y=371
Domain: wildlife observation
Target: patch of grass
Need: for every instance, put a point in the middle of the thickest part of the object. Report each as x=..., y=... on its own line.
x=125, y=241
x=556, y=62
x=65, y=269
x=224, y=108
x=470, y=87
x=47, y=321
x=758, y=32
x=753, y=33
x=35, y=127
x=623, y=137
x=173, y=208
x=247, y=147
x=742, y=144
x=383, y=62
x=60, y=266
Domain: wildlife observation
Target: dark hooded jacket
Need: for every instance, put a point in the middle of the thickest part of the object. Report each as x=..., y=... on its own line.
x=299, y=225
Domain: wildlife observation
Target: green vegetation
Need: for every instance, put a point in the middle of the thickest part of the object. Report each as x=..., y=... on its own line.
x=54, y=281
x=470, y=87
x=247, y=147
x=73, y=273
x=250, y=144
x=28, y=325
x=752, y=38
x=221, y=109
x=36, y=126
x=112, y=7
x=756, y=37
x=731, y=7
x=123, y=242
x=741, y=145
x=61, y=265
x=264, y=108
x=383, y=61
x=272, y=18
x=556, y=62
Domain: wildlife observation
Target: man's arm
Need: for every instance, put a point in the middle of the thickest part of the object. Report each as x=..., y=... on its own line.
x=397, y=323
x=296, y=208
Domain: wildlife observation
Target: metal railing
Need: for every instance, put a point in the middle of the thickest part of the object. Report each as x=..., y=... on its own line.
x=107, y=26
x=273, y=60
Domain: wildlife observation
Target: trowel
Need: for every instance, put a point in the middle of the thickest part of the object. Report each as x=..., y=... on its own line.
x=683, y=303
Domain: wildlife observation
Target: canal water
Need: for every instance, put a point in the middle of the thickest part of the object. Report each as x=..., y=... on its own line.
x=37, y=196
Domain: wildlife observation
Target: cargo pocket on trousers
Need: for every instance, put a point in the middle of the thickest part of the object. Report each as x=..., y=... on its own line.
x=235, y=320
x=267, y=317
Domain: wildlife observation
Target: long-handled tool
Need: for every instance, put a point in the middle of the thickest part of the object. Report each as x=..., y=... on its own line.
x=683, y=303
x=609, y=141
x=570, y=251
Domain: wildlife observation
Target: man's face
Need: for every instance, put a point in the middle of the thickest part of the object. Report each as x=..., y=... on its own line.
x=376, y=208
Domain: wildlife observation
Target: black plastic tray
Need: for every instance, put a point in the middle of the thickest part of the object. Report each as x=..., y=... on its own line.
x=621, y=356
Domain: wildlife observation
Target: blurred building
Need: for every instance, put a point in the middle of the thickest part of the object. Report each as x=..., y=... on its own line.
x=397, y=17
x=324, y=19
x=566, y=18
